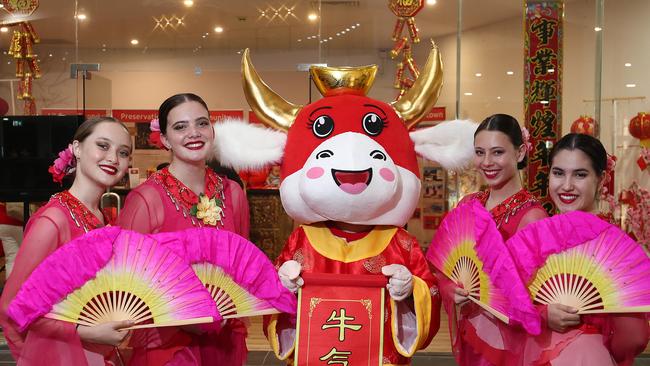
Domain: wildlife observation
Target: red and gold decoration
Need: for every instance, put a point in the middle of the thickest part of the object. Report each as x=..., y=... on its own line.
x=640, y=128
x=543, y=88
x=340, y=320
x=637, y=200
x=585, y=125
x=405, y=10
x=21, y=48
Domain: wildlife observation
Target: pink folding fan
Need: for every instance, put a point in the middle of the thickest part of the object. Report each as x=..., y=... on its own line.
x=579, y=260
x=239, y=276
x=469, y=250
x=112, y=274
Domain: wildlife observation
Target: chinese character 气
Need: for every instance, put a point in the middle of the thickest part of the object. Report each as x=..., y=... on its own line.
x=342, y=325
x=336, y=357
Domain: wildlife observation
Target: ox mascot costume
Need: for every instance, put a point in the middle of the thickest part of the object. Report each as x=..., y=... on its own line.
x=351, y=178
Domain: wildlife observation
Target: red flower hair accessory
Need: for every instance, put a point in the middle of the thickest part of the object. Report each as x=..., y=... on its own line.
x=65, y=164
x=154, y=136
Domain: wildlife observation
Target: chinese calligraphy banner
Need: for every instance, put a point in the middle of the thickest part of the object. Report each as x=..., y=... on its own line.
x=542, y=88
x=340, y=320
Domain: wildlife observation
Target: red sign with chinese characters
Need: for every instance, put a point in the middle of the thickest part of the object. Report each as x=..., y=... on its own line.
x=437, y=114
x=340, y=320
x=542, y=89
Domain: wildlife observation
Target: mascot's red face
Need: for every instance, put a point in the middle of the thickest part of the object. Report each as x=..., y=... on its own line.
x=346, y=157
x=349, y=158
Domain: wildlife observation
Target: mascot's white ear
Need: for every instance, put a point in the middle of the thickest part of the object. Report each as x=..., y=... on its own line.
x=245, y=146
x=451, y=143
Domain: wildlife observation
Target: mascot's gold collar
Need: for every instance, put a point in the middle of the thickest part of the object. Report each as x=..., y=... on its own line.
x=338, y=249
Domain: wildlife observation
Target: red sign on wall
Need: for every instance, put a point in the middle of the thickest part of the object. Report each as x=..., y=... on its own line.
x=135, y=115
x=218, y=116
x=436, y=114
x=340, y=320
x=73, y=112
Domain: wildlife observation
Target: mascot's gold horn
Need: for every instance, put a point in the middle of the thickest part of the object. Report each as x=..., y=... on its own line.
x=419, y=100
x=269, y=107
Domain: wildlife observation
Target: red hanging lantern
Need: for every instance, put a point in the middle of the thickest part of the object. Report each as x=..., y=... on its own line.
x=640, y=128
x=585, y=125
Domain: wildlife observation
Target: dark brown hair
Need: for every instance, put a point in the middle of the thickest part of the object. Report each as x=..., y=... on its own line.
x=591, y=146
x=508, y=125
x=172, y=102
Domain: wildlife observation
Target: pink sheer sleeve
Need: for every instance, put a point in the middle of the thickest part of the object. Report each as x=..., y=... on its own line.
x=59, y=340
x=143, y=211
x=240, y=209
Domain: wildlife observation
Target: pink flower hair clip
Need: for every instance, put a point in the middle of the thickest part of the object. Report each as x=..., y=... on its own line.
x=65, y=164
x=154, y=136
x=525, y=135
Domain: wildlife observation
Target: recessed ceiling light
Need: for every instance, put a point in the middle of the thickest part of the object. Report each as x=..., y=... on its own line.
x=630, y=85
x=510, y=72
x=347, y=29
x=81, y=16
x=431, y=2
x=299, y=40
x=218, y=29
x=358, y=25
x=468, y=94
x=4, y=29
x=134, y=41
x=330, y=38
x=627, y=64
x=478, y=74
x=598, y=29
x=338, y=34
x=1, y=6
x=50, y=55
x=188, y=3
x=203, y=36
x=353, y=26
x=499, y=98
x=312, y=16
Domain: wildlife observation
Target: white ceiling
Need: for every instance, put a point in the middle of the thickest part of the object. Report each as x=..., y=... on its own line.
x=114, y=23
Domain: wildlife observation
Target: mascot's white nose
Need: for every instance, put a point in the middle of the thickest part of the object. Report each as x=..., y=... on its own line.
x=352, y=181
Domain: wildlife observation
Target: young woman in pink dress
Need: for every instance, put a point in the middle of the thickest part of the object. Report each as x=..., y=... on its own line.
x=100, y=153
x=165, y=203
x=500, y=149
x=578, y=165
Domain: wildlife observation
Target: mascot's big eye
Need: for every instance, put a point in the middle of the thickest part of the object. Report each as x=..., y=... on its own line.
x=373, y=124
x=323, y=126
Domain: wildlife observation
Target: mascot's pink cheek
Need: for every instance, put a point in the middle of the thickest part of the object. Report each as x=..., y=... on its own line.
x=315, y=173
x=387, y=174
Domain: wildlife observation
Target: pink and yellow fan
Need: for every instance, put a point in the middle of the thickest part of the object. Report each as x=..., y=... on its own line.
x=239, y=276
x=469, y=250
x=111, y=274
x=579, y=260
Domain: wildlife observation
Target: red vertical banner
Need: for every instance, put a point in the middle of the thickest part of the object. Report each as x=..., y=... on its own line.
x=542, y=89
x=340, y=320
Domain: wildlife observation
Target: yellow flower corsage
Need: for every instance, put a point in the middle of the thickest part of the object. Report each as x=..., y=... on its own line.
x=209, y=210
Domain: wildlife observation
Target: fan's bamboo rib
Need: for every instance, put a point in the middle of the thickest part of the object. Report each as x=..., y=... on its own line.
x=132, y=303
x=592, y=307
x=99, y=304
x=141, y=308
x=618, y=309
x=107, y=303
x=173, y=323
x=543, y=298
x=591, y=296
x=253, y=313
x=491, y=310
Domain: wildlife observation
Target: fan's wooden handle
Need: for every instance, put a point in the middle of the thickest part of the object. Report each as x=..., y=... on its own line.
x=175, y=323
x=491, y=310
x=618, y=309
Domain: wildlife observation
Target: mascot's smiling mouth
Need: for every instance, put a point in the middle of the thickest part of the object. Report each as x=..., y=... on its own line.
x=352, y=181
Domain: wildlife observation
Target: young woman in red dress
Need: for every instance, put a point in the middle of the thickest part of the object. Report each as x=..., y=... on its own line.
x=500, y=148
x=164, y=203
x=578, y=165
x=100, y=153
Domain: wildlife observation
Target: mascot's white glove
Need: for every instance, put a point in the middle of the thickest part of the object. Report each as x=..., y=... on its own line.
x=289, y=274
x=400, y=284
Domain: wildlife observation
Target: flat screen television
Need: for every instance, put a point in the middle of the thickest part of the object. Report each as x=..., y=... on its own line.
x=28, y=146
